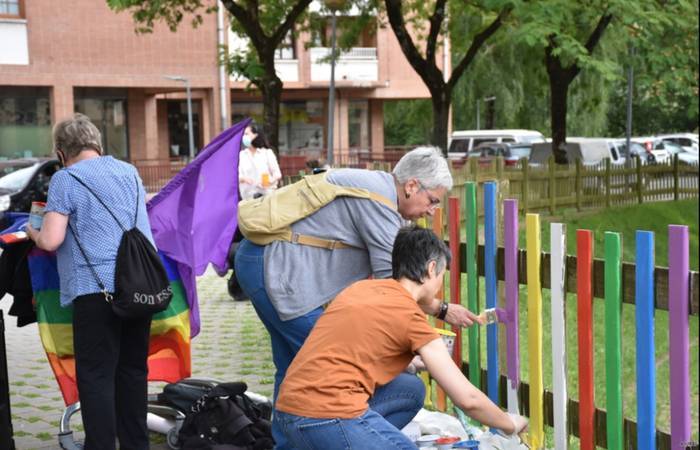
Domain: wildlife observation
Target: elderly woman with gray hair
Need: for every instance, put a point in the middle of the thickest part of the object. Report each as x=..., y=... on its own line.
x=289, y=283
x=110, y=352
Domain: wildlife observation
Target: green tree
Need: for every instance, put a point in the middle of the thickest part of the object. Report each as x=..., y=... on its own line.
x=265, y=25
x=410, y=19
x=569, y=33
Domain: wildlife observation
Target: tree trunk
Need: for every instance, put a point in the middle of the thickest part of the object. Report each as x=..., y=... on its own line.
x=559, y=91
x=271, y=89
x=441, y=116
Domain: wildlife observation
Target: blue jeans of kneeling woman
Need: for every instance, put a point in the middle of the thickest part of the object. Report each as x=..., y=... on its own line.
x=391, y=407
x=398, y=402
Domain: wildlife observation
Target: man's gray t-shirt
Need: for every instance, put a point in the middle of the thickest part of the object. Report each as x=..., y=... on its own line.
x=300, y=278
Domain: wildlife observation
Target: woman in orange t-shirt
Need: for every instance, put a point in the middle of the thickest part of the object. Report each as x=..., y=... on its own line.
x=345, y=388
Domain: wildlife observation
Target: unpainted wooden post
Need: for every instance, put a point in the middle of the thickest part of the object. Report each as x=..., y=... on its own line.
x=640, y=180
x=577, y=184
x=552, y=166
x=526, y=186
x=676, y=178
x=607, y=183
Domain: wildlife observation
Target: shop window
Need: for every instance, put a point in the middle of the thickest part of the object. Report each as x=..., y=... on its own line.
x=179, y=135
x=106, y=108
x=25, y=122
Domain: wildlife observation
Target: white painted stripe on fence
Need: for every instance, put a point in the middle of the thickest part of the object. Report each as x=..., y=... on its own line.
x=558, y=274
x=512, y=394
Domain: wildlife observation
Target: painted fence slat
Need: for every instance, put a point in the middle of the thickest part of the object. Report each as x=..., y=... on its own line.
x=510, y=243
x=472, y=282
x=584, y=302
x=678, y=325
x=558, y=310
x=644, y=318
x=437, y=228
x=491, y=292
x=455, y=273
x=534, y=332
x=613, y=338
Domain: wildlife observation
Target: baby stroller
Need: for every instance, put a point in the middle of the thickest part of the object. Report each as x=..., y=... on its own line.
x=166, y=410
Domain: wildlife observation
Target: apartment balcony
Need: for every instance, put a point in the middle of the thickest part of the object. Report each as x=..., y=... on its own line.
x=287, y=69
x=358, y=66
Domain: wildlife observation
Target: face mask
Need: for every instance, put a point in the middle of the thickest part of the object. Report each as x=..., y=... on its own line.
x=247, y=141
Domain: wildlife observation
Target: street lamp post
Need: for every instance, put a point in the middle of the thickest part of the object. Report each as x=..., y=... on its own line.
x=190, y=127
x=478, y=113
x=333, y=5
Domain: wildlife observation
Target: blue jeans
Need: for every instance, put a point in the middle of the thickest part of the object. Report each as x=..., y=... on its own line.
x=286, y=337
x=390, y=409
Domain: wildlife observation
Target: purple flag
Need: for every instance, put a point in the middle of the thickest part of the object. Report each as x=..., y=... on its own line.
x=193, y=217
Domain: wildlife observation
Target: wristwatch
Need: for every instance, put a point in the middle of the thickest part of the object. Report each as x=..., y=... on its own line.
x=443, y=311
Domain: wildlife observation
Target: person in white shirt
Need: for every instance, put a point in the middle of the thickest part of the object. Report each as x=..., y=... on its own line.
x=258, y=171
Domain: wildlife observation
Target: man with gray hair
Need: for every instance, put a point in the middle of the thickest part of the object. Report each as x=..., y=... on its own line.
x=85, y=202
x=289, y=283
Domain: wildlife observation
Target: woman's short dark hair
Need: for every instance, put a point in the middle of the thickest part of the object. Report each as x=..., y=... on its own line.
x=414, y=248
x=260, y=140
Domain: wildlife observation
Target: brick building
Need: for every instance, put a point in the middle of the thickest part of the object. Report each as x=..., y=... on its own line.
x=78, y=55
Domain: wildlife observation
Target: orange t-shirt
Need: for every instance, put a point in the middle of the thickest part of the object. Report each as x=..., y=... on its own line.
x=366, y=337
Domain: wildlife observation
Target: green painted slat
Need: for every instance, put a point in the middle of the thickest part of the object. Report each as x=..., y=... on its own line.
x=613, y=340
x=472, y=281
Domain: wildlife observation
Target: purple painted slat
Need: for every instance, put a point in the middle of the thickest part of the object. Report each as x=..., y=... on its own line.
x=678, y=283
x=510, y=241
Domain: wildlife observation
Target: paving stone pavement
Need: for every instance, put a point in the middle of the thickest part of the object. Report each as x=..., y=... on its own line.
x=233, y=345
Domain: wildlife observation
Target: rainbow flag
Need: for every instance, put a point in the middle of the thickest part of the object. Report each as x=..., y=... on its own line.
x=169, y=352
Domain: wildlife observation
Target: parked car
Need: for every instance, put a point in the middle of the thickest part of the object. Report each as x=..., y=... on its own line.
x=684, y=156
x=655, y=146
x=23, y=181
x=462, y=142
x=511, y=153
x=636, y=149
x=689, y=141
x=590, y=152
x=614, y=153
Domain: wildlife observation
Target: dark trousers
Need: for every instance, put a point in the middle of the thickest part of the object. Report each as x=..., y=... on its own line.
x=112, y=372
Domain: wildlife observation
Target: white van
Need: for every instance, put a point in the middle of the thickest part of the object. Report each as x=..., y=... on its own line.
x=462, y=142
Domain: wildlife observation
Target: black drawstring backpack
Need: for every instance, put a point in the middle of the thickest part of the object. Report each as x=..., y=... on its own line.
x=141, y=285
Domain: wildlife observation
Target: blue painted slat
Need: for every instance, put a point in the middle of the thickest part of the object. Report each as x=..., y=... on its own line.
x=490, y=190
x=644, y=312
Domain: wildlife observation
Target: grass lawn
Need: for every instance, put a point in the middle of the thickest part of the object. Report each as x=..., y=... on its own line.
x=653, y=217
x=626, y=220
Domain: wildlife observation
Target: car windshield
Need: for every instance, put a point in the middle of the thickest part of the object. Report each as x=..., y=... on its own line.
x=636, y=149
x=15, y=181
x=672, y=147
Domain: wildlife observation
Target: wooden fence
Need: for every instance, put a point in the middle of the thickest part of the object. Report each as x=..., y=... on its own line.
x=675, y=289
x=551, y=186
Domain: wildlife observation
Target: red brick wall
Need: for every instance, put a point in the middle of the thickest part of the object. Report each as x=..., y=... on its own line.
x=84, y=43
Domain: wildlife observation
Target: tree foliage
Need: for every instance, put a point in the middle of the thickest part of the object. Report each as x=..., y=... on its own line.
x=419, y=25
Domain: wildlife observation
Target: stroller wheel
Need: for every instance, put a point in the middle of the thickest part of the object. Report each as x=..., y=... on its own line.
x=172, y=439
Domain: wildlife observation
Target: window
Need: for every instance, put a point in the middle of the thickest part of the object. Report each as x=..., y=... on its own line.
x=358, y=124
x=106, y=108
x=287, y=48
x=25, y=122
x=11, y=8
